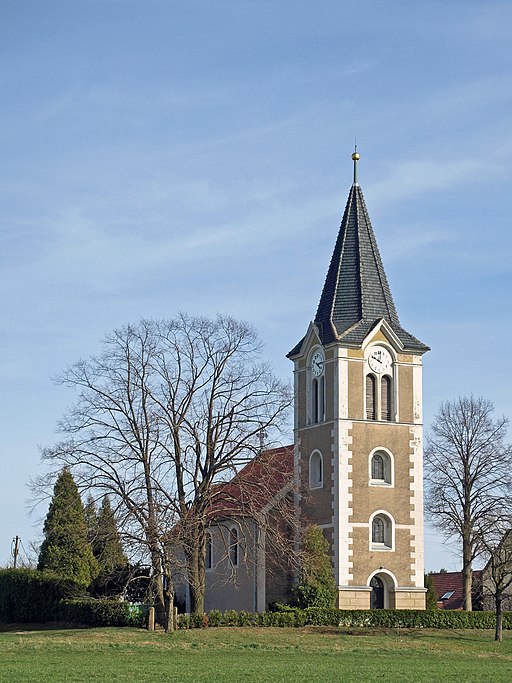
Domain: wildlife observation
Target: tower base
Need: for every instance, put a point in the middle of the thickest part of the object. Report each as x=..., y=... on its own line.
x=360, y=597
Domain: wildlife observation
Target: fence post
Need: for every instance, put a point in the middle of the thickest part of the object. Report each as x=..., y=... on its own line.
x=151, y=619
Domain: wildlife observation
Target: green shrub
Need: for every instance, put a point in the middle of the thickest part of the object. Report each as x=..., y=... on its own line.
x=230, y=617
x=196, y=620
x=265, y=619
x=244, y=618
x=320, y=616
x=33, y=596
x=316, y=587
x=91, y=612
x=215, y=617
x=183, y=620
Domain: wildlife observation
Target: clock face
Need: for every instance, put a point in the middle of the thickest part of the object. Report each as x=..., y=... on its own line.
x=380, y=360
x=317, y=363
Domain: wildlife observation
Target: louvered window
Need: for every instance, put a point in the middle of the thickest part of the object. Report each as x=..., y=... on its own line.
x=316, y=401
x=385, y=398
x=370, y=397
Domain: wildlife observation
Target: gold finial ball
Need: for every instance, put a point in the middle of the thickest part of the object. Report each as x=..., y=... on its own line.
x=355, y=156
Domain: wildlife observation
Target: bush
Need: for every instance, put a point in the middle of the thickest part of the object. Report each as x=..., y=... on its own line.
x=316, y=587
x=33, y=596
x=91, y=612
x=230, y=617
x=215, y=617
x=183, y=620
x=319, y=616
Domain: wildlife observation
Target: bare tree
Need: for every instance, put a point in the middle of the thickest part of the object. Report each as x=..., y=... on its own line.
x=468, y=469
x=497, y=573
x=168, y=410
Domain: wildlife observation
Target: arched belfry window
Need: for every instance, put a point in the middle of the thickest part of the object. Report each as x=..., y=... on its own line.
x=371, y=398
x=317, y=386
x=385, y=398
x=379, y=390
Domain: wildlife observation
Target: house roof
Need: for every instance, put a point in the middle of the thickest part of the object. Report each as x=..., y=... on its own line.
x=356, y=293
x=451, y=585
x=255, y=485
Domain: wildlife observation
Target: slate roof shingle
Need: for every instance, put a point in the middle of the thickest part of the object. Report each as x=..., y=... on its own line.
x=356, y=293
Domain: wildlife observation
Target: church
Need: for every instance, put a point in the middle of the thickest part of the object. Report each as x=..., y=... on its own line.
x=355, y=468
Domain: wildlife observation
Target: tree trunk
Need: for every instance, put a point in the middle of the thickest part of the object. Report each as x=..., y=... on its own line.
x=196, y=582
x=498, y=634
x=467, y=575
x=196, y=569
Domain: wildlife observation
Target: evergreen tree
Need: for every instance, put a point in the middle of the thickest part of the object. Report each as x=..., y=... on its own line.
x=316, y=587
x=66, y=549
x=431, y=596
x=107, y=546
x=113, y=564
x=91, y=520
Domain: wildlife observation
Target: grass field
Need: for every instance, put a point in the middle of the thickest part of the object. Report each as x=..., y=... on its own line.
x=250, y=654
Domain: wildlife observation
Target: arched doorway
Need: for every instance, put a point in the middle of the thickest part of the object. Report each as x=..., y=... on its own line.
x=377, y=594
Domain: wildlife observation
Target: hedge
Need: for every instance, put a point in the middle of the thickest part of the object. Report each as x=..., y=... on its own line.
x=31, y=596
x=38, y=597
x=317, y=616
x=92, y=612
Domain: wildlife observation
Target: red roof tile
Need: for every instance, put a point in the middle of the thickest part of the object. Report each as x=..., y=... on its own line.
x=254, y=485
x=446, y=582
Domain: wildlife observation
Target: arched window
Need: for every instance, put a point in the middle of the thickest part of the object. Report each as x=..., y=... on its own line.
x=318, y=400
x=382, y=532
x=385, y=398
x=381, y=468
x=371, y=402
x=316, y=470
x=233, y=546
x=378, y=530
x=378, y=466
x=209, y=551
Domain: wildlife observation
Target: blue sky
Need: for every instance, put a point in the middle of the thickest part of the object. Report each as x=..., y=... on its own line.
x=160, y=156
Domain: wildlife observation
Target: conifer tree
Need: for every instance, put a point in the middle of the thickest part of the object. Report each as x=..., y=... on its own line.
x=66, y=549
x=91, y=520
x=431, y=595
x=107, y=546
x=113, y=565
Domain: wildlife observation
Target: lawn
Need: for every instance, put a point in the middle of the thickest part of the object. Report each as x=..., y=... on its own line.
x=250, y=654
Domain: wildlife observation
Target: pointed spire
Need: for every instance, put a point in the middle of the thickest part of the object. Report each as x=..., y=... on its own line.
x=355, y=159
x=356, y=294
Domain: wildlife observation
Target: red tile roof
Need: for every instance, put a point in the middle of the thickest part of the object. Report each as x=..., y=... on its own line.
x=254, y=485
x=446, y=582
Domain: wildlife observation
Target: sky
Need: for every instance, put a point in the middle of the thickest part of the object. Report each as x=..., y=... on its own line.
x=164, y=156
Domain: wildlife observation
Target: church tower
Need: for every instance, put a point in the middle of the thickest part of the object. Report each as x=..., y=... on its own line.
x=358, y=426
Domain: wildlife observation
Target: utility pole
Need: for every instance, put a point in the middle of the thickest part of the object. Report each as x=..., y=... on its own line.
x=16, y=549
